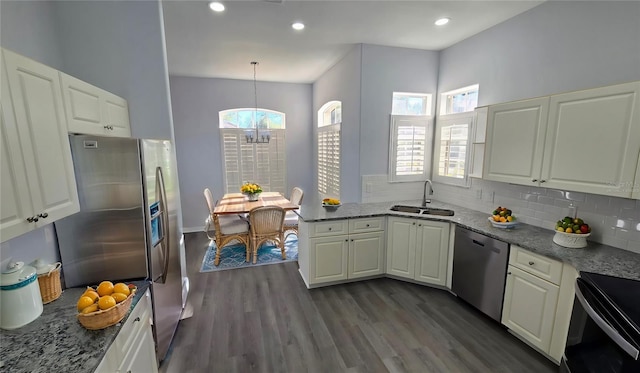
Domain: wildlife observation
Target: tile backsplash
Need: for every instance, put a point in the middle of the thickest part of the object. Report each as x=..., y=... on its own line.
x=614, y=221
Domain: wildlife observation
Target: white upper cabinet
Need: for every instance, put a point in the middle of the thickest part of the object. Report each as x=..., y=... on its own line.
x=586, y=141
x=36, y=167
x=515, y=141
x=593, y=140
x=92, y=110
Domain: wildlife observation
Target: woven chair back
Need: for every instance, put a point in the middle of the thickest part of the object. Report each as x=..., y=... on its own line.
x=296, y=196
x=266, y=220
x=210, y=204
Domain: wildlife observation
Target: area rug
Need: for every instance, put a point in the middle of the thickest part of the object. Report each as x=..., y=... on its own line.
x=234, y=255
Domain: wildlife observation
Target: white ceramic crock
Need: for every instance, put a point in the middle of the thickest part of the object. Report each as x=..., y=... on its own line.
x=20, y=300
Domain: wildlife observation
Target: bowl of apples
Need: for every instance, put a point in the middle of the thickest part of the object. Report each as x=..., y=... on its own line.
x=572, y=232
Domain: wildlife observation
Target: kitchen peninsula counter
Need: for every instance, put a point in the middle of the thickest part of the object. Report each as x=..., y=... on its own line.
x=598, y=258
x=56, y=341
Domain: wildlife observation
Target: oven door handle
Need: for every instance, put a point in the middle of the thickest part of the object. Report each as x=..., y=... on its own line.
x=611, y=332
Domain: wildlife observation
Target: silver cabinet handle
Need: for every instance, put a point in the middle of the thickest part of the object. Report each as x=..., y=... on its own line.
x=44, y=215
x=531, y=263
x=534, y=180
x=329, y=228
x=543, y=181
x=32, y=219
x=367, y=225
x=509, y=273
x=136, y=319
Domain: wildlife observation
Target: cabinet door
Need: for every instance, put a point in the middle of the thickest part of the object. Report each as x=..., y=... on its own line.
x=15, y=203
x=83, y=106
x=515, y=141
x=432, y=252
x=329, y=256
x=635, y=193
x=141, y=358
x=593, y=140
x=39, y=114
x=116, y=115
x=366, y=254
x=529, y=307
x=401, y=247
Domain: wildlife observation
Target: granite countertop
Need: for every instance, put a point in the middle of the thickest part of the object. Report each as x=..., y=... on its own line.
x=56, y=341
x=595, y=257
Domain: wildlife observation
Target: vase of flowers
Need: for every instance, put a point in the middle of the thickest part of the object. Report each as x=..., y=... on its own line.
x=251, y=190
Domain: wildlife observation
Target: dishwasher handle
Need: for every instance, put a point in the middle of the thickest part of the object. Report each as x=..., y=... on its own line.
x=490, y=247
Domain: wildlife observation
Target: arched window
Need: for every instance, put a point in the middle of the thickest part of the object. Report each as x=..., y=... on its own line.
x=262, y=163
x=329, y=122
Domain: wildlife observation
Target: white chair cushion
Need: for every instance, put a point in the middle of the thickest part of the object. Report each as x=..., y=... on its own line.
x=291, y=218
x=232, y=224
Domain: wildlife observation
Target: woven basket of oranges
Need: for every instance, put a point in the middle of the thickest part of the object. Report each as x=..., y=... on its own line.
x=105, y=305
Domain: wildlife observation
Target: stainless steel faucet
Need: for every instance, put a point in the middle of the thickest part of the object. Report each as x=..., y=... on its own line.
x=424, y=193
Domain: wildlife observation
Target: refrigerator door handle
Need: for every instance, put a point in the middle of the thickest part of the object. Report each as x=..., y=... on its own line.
x=165, y=221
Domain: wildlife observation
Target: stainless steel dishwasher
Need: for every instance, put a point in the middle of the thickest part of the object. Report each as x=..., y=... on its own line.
x=479, y=271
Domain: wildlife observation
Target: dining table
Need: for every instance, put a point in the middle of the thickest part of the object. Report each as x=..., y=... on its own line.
x=238, y=203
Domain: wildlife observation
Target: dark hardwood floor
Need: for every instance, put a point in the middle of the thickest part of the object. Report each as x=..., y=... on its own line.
x=264, y=319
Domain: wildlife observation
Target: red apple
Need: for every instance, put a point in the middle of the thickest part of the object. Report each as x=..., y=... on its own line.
x=584, y=228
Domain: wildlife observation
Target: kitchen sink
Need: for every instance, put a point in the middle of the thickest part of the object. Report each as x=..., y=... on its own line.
x=422, y=210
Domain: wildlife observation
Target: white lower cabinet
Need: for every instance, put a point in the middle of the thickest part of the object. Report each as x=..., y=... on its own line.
x=530, y=307
x=340, y=250
x=538, y=300
x=418, y=250
x=133, y=350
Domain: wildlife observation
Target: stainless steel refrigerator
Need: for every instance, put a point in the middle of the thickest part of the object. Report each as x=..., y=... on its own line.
x=127, y=227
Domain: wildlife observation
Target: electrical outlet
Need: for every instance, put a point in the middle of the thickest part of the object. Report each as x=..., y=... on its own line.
x=479, y=194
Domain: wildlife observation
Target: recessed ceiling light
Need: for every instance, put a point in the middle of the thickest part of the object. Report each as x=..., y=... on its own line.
x=298, y=26
x=216, y=6
x=442, y=21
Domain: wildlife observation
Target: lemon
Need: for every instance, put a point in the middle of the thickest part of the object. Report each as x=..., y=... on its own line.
x=84, y=302
x=121, y=288
x=91, y=308
x=105, y=288
x=119, y=297
x=91, y=294
x=106, y=302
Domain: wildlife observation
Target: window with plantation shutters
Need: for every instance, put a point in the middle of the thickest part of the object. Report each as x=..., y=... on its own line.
x=408, y=153
x=452, y=148
x=329, y=122
x=262, y=163
x=329, y=160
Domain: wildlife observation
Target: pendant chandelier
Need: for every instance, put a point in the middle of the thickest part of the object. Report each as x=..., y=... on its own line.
x=257, y=136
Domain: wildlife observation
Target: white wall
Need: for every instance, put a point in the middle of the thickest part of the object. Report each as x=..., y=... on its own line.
x=342, y=83
x=29, y=28
x=555, y=47
x=119, y=46
x=196, y=103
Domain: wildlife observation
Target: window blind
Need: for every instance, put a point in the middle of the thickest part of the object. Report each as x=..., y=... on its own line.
x=329, y=160
x=263, y=164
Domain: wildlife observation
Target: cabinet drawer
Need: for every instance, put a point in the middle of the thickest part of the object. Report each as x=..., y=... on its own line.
x=538, y=265
x=366, y=225
x=135, y=321
x=329, y=228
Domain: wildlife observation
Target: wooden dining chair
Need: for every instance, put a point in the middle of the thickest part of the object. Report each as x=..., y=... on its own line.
x=291, y=218
x=266, y=225
x=227, y=228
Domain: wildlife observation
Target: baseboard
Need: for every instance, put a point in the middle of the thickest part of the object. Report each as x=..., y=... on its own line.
x=192, y=229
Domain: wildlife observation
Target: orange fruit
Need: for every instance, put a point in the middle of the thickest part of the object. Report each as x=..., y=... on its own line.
x=84, y=302
x=106, y=302
x=91, y=294
x=119, y=297
x=105, y=288
x=91, y=308
x=503, y=219
x=121, y=288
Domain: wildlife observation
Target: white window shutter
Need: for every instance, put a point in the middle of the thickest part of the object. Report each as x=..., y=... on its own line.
x=263, y=164
x=329, y=160
x=408, y=148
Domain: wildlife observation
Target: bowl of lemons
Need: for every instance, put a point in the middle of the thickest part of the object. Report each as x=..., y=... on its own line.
x=331, y=204
x=104, y=305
